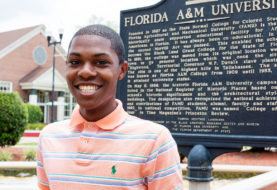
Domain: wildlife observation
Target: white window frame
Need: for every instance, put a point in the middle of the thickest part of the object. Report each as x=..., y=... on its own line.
x=41, y=97
x=6, y=86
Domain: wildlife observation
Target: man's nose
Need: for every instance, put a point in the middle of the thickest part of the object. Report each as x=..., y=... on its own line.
x=87, y=71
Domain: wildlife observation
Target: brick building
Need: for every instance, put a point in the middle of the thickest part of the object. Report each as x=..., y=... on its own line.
x=26, y=67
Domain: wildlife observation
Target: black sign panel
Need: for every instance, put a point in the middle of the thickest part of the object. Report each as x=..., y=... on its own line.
x=206, y=69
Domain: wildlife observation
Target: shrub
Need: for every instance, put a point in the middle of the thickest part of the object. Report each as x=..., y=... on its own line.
x=35, y=126
x=30, y=154
x=34, y=113
x=5, y=156
x=13, y=118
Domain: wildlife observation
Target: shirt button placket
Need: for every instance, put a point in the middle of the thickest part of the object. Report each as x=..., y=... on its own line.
x=84, y=139
x=90, y=125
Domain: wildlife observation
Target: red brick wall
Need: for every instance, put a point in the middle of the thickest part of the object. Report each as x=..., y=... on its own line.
x=15, y=65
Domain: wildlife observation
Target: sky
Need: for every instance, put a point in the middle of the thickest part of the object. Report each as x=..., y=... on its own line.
x=62, y=15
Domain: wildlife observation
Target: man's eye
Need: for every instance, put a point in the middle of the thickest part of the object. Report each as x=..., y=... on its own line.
x=74, y=62
x=102, y=62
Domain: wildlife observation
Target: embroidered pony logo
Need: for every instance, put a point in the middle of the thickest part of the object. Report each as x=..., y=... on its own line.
x=113, y=170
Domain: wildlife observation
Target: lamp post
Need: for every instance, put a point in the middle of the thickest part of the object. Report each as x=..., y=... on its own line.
x=54, y=43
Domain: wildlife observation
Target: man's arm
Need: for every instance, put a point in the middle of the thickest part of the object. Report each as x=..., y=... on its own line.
x=41, y=174
x=163, y=164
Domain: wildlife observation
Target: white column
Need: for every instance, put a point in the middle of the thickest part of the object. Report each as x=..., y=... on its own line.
x=33, y=98
x=70, y=104
x=46, y=108
x=60, y=114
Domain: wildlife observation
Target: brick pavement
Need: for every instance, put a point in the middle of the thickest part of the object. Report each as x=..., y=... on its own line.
x=248, y=158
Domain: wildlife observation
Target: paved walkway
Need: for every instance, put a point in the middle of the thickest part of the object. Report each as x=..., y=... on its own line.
x=16, y=183
x=248, y=158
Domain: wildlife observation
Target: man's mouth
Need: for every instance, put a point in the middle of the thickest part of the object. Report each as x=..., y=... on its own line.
x=88, y=88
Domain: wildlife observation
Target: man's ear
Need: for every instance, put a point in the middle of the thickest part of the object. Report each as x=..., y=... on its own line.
x=123, y=70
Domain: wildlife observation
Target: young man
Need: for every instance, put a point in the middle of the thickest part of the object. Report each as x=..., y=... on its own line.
x=102, y=147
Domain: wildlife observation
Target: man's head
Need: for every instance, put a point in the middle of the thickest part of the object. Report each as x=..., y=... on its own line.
x=95, y=63
x=105, y=32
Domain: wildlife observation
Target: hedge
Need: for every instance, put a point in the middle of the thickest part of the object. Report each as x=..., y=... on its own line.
x=34, y=113
x=35, y=126
x=13, y=118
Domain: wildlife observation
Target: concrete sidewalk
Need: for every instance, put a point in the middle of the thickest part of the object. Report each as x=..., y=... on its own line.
x=18, y=187
x=28, y=140
x=18, y=183
x=18, y=165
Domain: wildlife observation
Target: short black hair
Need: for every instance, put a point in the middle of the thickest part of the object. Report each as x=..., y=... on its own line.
x=105, y=32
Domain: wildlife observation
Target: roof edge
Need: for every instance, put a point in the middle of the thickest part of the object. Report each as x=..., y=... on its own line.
x=23, y=39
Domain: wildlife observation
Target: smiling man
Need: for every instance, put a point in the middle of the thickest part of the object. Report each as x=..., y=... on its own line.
x=102, y=146
x=92, y=72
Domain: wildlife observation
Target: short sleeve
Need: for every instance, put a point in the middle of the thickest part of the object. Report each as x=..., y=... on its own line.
x=41, y=174
x=162, y=169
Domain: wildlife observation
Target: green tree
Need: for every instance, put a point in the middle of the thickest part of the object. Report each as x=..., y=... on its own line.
x=13, y=118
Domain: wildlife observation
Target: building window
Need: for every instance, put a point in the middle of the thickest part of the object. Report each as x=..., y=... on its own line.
x=6, y=86
x=41, y=96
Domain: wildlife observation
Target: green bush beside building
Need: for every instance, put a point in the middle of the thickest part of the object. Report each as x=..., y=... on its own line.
x=13, y=118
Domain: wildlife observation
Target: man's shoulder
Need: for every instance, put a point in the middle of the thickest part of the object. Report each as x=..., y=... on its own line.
x=144, y=125
x=56, y=126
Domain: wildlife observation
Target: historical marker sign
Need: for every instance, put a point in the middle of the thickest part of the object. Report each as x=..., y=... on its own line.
x=206, y=69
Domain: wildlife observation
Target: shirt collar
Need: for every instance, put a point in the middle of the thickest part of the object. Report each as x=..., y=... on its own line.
x=111, y=121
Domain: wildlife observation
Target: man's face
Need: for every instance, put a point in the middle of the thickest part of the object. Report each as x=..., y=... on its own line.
x=92, y=72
